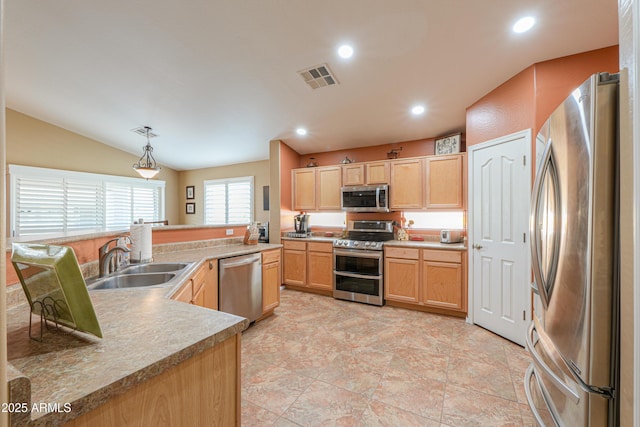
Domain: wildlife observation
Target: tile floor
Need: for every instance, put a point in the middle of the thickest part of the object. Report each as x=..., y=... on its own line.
x=320, y=361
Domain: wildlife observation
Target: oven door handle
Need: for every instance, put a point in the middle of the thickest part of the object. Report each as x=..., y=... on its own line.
x=358, y=253
x=354, y=275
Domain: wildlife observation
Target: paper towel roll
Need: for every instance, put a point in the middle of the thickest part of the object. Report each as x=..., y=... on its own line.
x=141, y=243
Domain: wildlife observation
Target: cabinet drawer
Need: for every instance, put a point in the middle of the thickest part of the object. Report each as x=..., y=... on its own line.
x=442, y=256
x=270, y=256
x=292, y=244
x=404, y=253
x=320, y=247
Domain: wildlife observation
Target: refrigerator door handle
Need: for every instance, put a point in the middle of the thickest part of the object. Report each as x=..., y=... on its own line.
x=606, y=392
x=564, y=388
x=547, y=167
x=530, y=373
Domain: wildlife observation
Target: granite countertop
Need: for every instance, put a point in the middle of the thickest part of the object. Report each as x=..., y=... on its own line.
x=85, y=371
x=311, y=239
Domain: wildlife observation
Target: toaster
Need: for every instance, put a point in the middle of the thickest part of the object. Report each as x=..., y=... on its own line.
x=451, y=236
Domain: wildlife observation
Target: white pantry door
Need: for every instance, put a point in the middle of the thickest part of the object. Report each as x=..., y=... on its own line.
x=499, y=189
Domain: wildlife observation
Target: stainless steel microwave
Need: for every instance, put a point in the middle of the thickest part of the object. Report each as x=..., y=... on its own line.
x=365, y=198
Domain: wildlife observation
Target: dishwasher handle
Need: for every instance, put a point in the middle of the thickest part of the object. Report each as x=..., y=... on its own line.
x=240, y=263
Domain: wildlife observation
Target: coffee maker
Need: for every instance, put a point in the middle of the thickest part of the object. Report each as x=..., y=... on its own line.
x=301, y=222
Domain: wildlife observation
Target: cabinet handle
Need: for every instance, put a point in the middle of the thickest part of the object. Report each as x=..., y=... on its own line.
x=210, y=265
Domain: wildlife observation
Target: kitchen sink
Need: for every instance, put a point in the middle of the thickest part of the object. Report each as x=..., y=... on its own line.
x=123, y=281
x=157, y=267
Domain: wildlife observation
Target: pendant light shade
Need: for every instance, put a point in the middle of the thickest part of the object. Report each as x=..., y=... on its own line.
x=147, y=166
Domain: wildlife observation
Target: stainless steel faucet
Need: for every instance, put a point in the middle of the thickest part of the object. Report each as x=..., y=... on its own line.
x=107, y=263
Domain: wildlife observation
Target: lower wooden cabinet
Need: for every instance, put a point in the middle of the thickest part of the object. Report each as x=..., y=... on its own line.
x=270, y=280
x=294, y=268
x=402, y=275
x=426, y=278
x=320, y=265
x=202, y=288
x=308, y=265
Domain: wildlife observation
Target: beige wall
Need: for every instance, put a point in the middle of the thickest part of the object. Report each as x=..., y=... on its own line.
x=259, y=170
x=32, y=142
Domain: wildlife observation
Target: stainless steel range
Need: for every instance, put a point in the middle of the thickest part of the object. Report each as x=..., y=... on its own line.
x=358, y=262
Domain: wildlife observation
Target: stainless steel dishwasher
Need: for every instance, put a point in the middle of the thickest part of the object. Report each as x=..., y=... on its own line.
x=240, y=286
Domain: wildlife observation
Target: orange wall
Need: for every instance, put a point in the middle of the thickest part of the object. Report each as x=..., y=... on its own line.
x=555, y=79
x=289, y=159
x=526, y=100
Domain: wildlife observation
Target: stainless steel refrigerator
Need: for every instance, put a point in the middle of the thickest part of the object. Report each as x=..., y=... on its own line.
x=573, y=339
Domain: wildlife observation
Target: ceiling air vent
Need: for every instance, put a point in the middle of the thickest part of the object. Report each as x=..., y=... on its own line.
x=142, y=130
x=318, y=76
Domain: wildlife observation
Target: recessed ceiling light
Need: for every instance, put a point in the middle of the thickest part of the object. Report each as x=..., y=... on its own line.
x=524, y=24
x=416, y=110
x=345, y=51
x=301, y=131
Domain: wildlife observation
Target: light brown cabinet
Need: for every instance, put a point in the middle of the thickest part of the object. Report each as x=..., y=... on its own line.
x=316, y=188
x=270, y=280
x=377, y=172
x=407, y=184
x=444, y=179
x=353, y=174
x=320, y=265
x=368, y=173
x=304, y=189
x=426, y=279
x=308, y=265
x=401, y=274
x=328, y=182
x=202, y=288
x=294, y=263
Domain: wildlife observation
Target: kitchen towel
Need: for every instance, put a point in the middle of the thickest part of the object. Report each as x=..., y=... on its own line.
x=141, y=243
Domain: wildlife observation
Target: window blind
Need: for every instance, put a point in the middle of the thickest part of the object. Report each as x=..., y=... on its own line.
x=57, y=201
x=228, y=201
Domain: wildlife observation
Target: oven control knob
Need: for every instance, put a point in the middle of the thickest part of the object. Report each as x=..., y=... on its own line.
x=355, y=243
x=367, y=244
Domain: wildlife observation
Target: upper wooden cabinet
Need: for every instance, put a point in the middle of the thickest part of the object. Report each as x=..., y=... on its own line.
x=419, y=183
x=407, y=184
x=316, y=188
x=444, y=179
x=353, y=174
x=377, y=172
x=304, y=189
x=369, y=173
x=328, y=183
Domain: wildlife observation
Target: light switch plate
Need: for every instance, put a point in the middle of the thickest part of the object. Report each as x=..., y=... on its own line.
x=229, y=231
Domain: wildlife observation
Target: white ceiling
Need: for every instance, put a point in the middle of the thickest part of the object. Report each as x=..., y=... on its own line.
x=217, y=79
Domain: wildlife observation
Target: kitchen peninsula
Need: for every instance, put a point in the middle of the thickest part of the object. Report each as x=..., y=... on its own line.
x=161, y=361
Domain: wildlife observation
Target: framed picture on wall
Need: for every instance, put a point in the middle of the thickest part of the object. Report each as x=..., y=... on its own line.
x=448, y=144
x=191, y=208
x=191, y=192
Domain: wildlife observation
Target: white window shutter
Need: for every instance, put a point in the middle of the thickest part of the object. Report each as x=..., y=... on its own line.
x=228, y=201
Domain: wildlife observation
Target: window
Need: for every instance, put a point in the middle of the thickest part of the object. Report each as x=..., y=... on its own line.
x=45, y=201
x=228, y=201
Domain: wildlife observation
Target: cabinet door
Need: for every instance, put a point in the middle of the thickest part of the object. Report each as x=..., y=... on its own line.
x=294, y=267
x=442, y=285
x=185, y=294
x=270, y=286
x=329, y=181
x=407, y=184
x=353, y=174
x=320, y=266
x=401, y=279
x=211, y=285
x=304, y=189
x=444, y=182
x=377, y=173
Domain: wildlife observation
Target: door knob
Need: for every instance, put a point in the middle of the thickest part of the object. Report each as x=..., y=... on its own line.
x=477, y=246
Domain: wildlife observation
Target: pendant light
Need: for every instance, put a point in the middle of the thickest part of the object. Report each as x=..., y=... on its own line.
x=147, y=166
